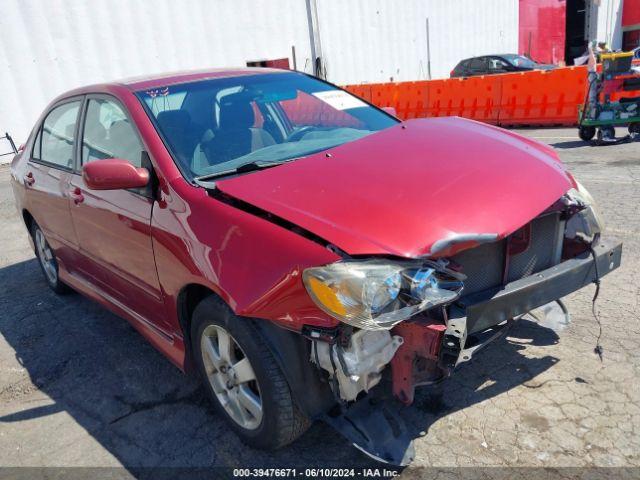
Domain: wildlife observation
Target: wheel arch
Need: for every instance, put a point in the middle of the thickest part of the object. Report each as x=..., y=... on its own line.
x=290, y=350
x=188, y=299
x=28, y=219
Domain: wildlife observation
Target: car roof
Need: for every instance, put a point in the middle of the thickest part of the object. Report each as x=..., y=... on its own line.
x=163, y=79
x=492, y=55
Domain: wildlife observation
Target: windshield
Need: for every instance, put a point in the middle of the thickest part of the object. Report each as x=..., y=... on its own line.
x=217, y=126
x=520, y=61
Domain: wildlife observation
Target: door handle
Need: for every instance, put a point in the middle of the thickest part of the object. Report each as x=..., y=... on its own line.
x=76, y=196
x=29, y=180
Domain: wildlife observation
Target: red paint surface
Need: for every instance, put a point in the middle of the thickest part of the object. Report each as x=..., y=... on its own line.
x=114, y=173
x=402, y=189
x=397, y=191
x=631, y=13
x=542, y=29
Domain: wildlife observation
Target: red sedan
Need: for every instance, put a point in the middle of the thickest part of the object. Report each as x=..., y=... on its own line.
x=302, y=250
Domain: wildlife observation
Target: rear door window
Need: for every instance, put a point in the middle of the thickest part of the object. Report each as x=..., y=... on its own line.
x=54, y=143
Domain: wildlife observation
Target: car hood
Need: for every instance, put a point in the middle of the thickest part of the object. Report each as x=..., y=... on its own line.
x=424, y=187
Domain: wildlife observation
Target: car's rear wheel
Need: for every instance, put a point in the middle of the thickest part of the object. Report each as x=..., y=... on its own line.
x=242, y=377
x=47, y=260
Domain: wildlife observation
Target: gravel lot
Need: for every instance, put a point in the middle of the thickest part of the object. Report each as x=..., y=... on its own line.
x=79, y=387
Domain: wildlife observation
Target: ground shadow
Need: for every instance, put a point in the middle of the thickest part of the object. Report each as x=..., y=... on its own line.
x=144, y=412
x=571, y=144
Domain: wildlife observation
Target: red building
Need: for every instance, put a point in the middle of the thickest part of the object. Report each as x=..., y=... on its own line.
x=542, y=31
x=551, y=31
x=631, y=24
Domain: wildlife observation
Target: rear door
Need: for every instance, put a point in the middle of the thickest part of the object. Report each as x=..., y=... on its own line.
x=113, y=226
x=47, y=178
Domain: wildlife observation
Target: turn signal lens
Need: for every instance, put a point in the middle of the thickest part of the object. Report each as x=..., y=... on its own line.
x=327, y=296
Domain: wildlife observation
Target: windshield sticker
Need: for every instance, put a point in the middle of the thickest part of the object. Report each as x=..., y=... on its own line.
x=339, y=100
x=158, y=92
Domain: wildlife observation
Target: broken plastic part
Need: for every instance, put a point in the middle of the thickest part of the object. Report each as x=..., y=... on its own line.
x=587, y=220
x=357, y=367
x=462, y=241
x=553, y=315
x=375, y=429
x=584, y=222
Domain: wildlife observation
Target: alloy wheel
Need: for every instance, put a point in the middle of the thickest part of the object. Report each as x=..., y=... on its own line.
x=45, y=255
x=232, y=377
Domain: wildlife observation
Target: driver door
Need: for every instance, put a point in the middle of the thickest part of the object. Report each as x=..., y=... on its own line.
x=114, y=226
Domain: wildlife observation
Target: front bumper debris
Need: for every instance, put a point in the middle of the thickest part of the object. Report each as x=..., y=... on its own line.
x=478, y=319
x=432, y=348
x=374, y=426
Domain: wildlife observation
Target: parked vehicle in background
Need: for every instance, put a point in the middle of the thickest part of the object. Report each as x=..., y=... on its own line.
x=309, y=255
x=494, y=64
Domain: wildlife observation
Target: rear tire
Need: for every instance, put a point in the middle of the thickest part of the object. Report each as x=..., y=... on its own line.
x=634, y=128
x=249, y=375
x=586, y=133
x=47, y=260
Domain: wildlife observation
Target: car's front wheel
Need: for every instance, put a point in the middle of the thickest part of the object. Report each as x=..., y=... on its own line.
x=242, y=378
x=47, y=260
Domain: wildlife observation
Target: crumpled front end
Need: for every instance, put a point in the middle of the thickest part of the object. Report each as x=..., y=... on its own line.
x=556, y=253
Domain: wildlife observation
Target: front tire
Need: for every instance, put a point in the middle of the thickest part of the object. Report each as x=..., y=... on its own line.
x=243, y=379
x=47, y=261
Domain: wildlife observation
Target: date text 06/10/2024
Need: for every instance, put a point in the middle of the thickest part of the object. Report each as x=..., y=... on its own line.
x=314, y=473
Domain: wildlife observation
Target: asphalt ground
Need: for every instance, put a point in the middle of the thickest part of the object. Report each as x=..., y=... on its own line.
x=80, y=388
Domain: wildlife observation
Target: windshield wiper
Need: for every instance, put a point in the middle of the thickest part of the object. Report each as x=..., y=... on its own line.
x=206, y=180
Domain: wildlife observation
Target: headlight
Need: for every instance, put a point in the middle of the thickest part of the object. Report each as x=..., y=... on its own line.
x=588, y=220
x=377, y=294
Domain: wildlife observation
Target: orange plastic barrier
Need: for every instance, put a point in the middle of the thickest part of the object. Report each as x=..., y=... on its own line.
x=529, y=98
x=475, y=97
x=408, y=98
x=362, y=91
x=542, y=97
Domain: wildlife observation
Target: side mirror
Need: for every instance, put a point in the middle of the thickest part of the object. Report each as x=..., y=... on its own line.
x=391, y=111
x=114, y=174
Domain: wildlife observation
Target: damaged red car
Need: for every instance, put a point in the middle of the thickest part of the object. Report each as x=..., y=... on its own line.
x=300, y=249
